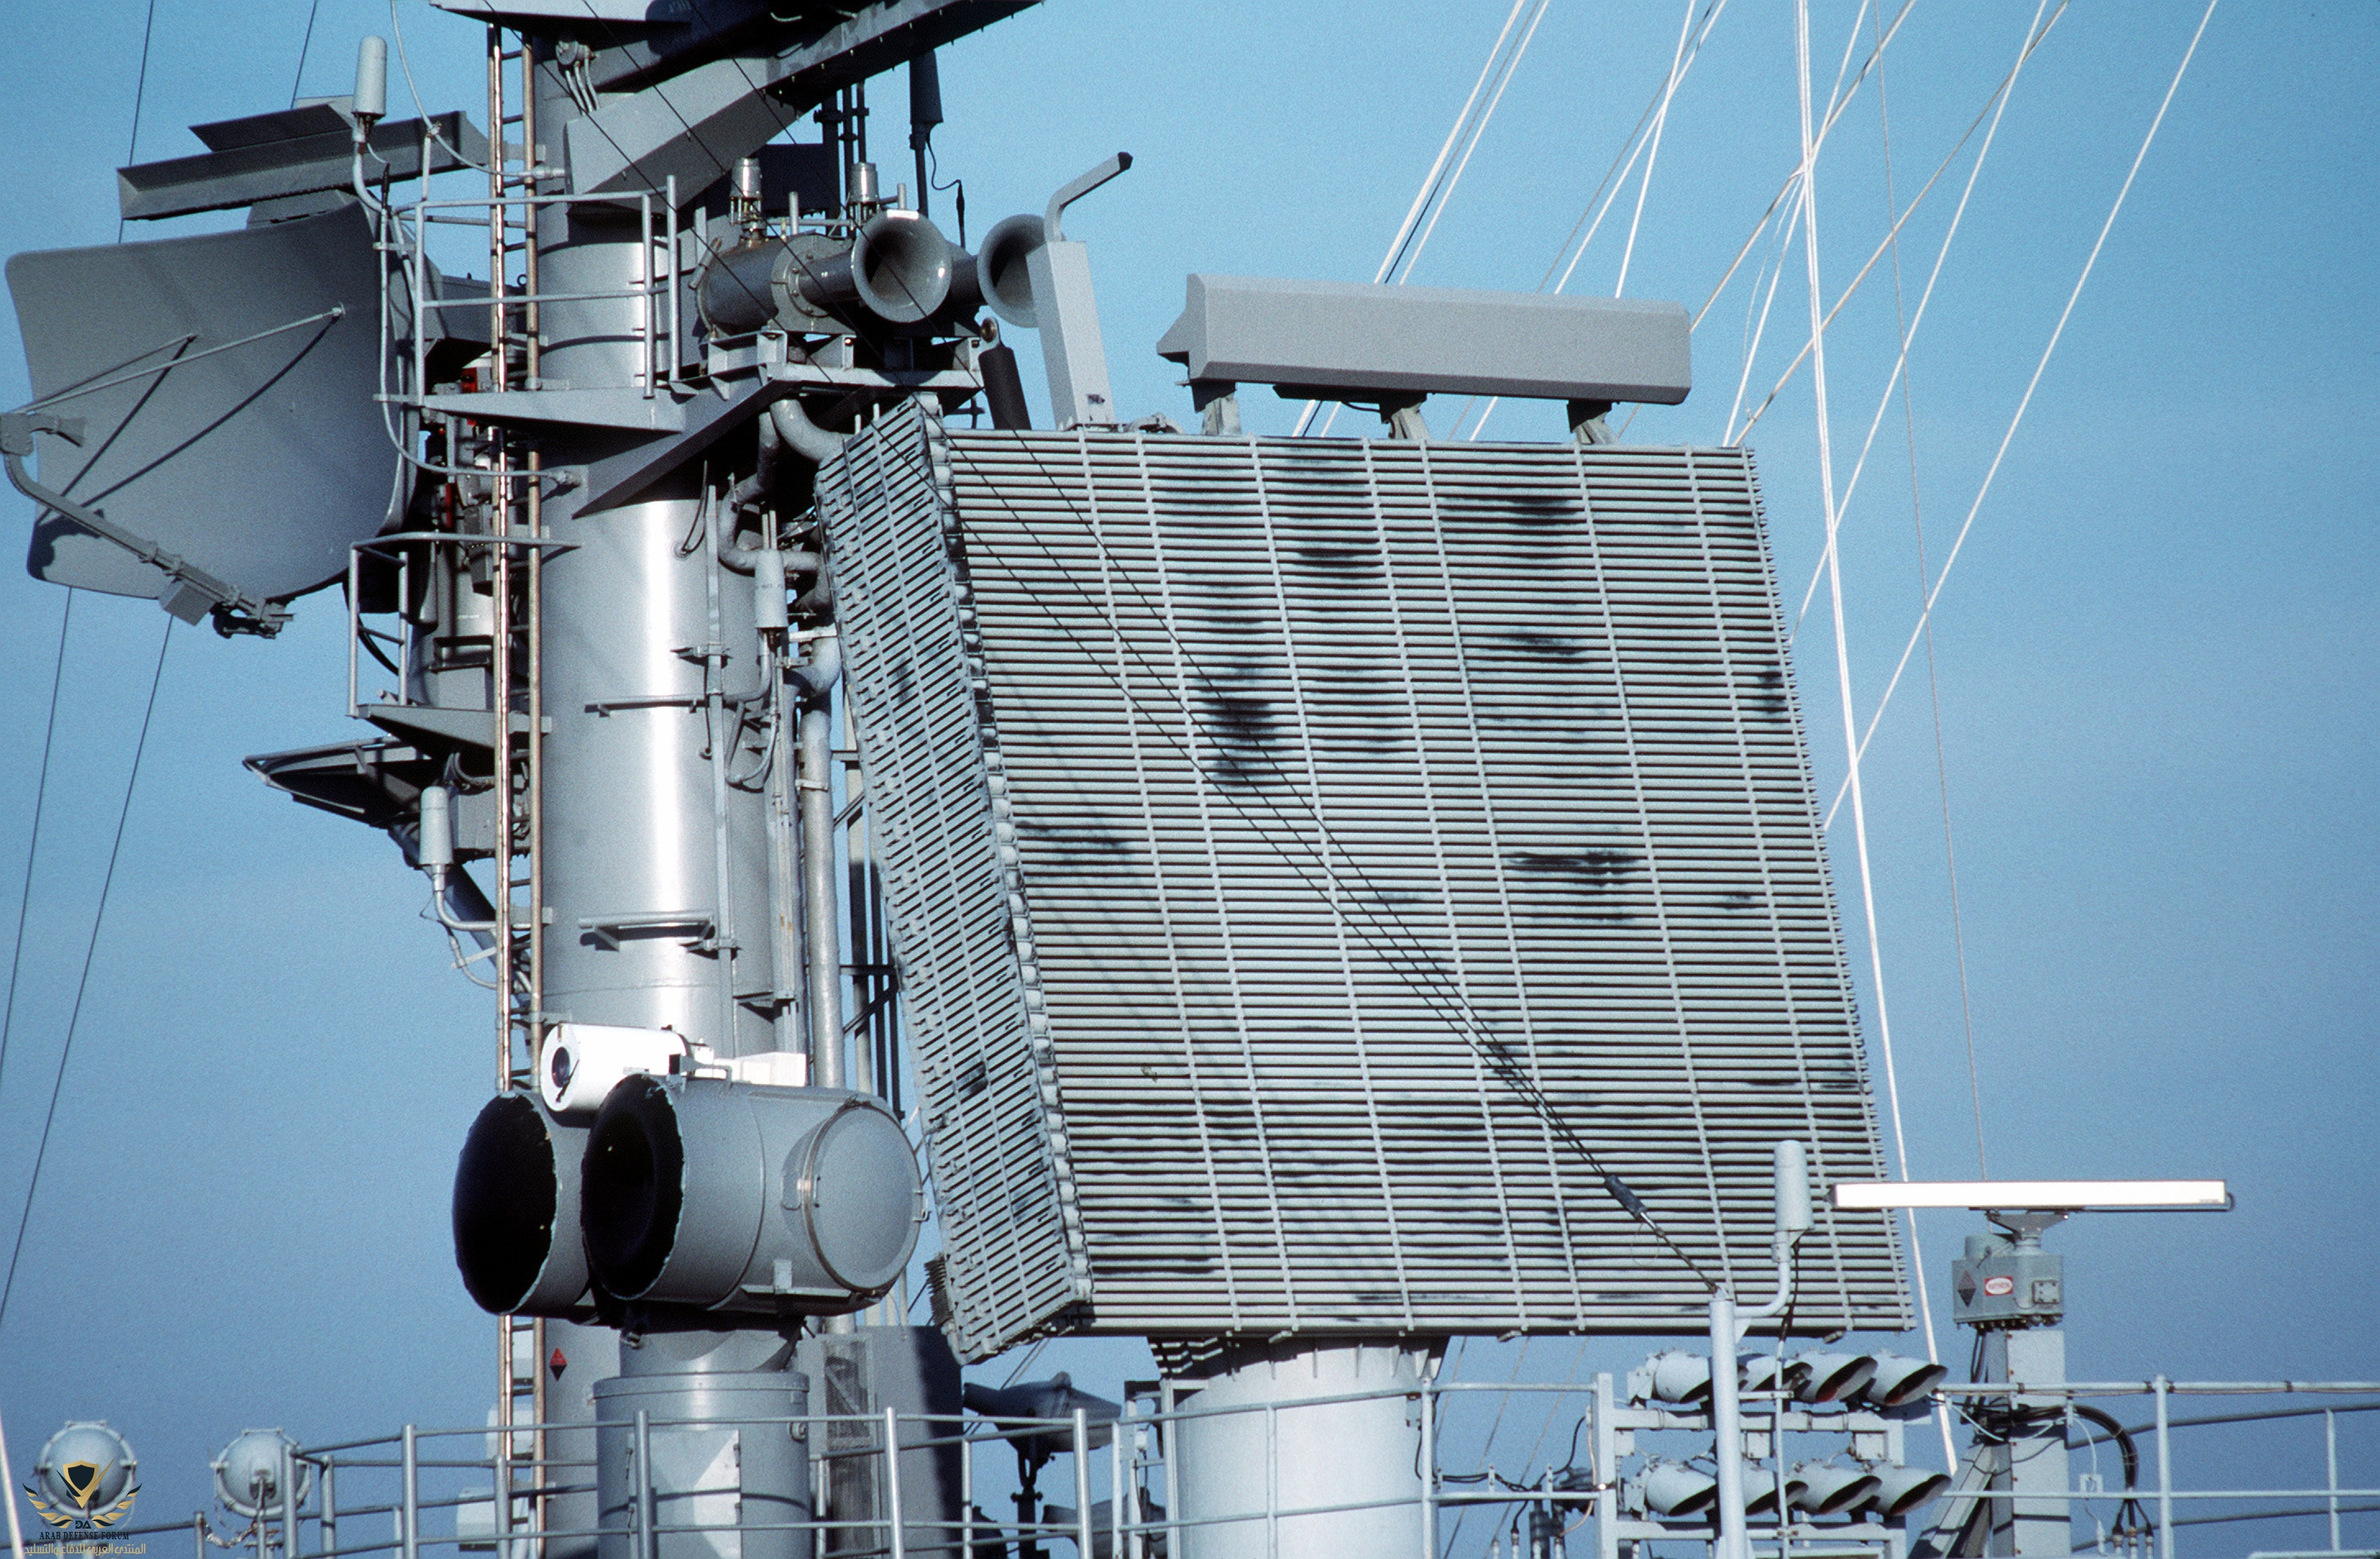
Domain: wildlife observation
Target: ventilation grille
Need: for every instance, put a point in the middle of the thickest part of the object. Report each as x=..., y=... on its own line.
x=1315, y=863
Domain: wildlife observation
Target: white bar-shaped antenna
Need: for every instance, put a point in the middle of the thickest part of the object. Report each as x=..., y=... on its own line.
x=2041, y=1196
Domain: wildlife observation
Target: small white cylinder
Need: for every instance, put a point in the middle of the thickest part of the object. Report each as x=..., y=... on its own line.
x=1793, y=1189
x=581, y=1062
x=372, y=80
x=436, y=848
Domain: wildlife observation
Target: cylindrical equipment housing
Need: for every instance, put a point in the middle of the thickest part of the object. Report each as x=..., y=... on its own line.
x=729, y=1473
x=749, y=1200
x=1322, y=1455
x=516, y=1239
x=900, y=269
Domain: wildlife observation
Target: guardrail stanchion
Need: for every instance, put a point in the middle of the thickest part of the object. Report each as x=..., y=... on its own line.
x=1082, y=1481
x=409, y=1499
x=893, y=1511
x=646, y=1544
x=1428, y=1472
x=2165, y=1472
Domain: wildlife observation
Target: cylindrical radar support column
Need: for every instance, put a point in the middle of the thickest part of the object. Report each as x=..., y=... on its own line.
x=1269, y=1440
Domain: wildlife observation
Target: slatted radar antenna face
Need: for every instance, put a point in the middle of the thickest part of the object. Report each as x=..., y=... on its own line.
x=1314, y=864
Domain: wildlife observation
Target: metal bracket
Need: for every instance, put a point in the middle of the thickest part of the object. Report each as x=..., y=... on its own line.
x=608, y=929
x=196, y=593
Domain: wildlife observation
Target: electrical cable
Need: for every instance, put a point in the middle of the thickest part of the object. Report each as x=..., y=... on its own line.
x=82, y=985
x=33, y=846
x=2026, y=402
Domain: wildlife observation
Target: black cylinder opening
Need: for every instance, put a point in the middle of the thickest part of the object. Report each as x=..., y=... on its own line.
x=505, y=1199
x=632, y=1187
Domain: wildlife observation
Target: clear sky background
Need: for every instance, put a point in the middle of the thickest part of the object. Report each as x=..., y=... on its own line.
x=2155, y=658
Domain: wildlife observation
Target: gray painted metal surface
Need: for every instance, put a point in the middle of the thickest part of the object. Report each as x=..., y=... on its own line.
x=725, y=1465
x=1345, y=335
x=1339, y=1432
x=1282, y=834
x=291, y=151
x=855, y=1376
x=203, y=365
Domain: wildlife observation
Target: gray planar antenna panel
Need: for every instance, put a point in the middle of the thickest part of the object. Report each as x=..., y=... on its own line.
x=259, y=463
x=1278, y=830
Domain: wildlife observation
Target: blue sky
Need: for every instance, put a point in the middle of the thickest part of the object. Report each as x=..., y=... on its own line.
x=2154, y=659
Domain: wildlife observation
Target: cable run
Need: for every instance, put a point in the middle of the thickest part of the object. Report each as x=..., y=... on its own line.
x=1951, y=561
x=82, y=985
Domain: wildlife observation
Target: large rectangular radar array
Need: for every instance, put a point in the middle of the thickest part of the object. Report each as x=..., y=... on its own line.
x=1314, y=864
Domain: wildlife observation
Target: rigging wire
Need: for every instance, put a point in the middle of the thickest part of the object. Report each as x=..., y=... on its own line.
x=1843, y=666
x=139, y=95
x=304, y=48
x=33, y=846
x=2038, y=30
x=1995, y=107
x=1660, y=122
x=1437, y=186
x=1599, y=204
x=1933, y=681
x=82, y=985
x=2026, y=402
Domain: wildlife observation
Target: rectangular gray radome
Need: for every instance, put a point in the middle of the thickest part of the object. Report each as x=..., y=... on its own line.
x=1278, y=830
x=1346, y=336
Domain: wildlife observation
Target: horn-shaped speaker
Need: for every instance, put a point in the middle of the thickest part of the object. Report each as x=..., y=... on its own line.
x=1000, y=271
x=900, y=267
x=1760, y=1490
x=1678, y=1376
x=1828, y=1489
x=1901, y=1490
x=1900, y=1382
x=1833, y=1377
x=1675, y=1488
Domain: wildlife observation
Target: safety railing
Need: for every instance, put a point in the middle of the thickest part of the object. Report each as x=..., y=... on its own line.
x=426, y=1493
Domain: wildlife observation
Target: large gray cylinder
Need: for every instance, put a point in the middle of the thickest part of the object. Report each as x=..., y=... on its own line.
x=745, y=1200
x=730, y=1472
x=1321, y=1454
